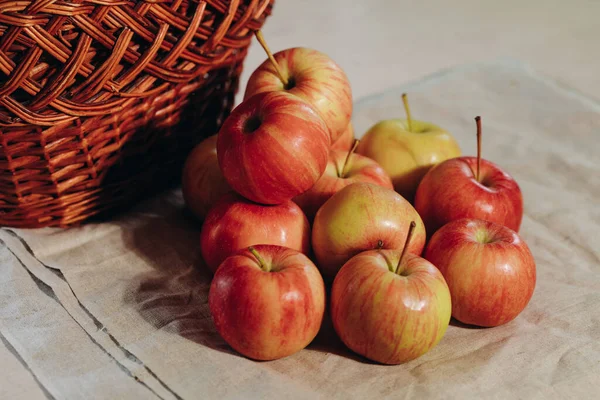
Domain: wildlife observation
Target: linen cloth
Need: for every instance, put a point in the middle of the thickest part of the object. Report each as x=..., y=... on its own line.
x=118, y=309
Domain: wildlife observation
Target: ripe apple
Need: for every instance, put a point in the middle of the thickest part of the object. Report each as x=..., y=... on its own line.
x=310, y=75
x=469, y=187
x=273, y=147
x=235, y=223
x=343, y=169
x=203, y=183
x=390, y=307
x=407, y=149
x=362, y=216
x=346, y=139
x=267, y=302
x=489, y=270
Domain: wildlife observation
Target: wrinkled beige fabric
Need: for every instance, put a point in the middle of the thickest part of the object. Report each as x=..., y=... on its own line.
x=131, y=293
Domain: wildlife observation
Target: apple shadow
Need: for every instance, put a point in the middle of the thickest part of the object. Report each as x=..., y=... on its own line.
x=173, y=295
x=411, y=179
x=327, y=340
x=458, y=324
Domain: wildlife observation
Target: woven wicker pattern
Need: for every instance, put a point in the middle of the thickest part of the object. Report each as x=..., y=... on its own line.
x=101, y=100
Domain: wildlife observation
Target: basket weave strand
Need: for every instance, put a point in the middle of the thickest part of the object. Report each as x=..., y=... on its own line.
x=101, y=100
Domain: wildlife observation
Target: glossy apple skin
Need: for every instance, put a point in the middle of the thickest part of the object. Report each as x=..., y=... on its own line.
x=356, y=218
x=317, y=79
x=407, y=155
x=266, y=315
x=386, y=317
x=489, y=270
x=202, y=182
x=346, y=139
x=282, y=157
x=449, y=191
x=358, y=169
x=235, y=223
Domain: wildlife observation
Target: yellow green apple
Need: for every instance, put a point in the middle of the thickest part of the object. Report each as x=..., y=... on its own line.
x=362, y=216
x=407, y=149
x=388, y=308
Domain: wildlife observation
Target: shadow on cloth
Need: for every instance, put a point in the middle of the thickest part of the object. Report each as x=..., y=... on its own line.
x=174, y=296
x=327, y=341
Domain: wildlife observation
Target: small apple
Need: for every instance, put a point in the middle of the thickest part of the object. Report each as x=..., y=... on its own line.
x=346, y=139
x=362, y=216
x=390, y=307
x=267, y=302
x=202, y=182
x=273, y=147
x=407, y=149
x=469, y=187
x=343, y=169
x=235, y=223
x=489, y=270
x=310, y=75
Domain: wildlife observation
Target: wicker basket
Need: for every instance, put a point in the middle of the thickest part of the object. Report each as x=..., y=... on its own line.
x=101, y=100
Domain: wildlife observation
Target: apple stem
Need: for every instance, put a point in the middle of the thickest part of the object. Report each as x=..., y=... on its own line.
x=261, y=262
x=354, y=146
x=379, y=244
x=409, y=235
x=407, y=110
x=478, y=122
x=263, y=43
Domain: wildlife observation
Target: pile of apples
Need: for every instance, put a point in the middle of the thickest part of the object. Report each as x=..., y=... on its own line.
x=292, y=204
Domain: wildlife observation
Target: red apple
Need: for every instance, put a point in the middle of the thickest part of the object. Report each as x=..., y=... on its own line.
x=267, y=302
x=450, y=191
x=236, y=223
x=362, y=216
x=273, y=147
x=346, y=139
x=390, y=307
x=469, y=187
x=343, y=169
x=202, y=182
x=489, y=270
x=312, y=76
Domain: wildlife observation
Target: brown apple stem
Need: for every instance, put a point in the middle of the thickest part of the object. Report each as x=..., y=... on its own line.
x=354, y=146
x=409, y=235
x=261, y=262
x=263, y=43
x=379, y=244
x=407, y=110
x=478, y=122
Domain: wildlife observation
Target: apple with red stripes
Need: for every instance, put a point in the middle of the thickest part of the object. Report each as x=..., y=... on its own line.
x=390, y=306
x=469, y=187
x=235, y=223
x=488, y=267
x=273, y=147
x=344, y=168
x=267, y=302
x=312, y=76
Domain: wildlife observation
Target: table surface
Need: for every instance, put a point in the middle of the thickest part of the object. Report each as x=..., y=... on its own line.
x=384, y=43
